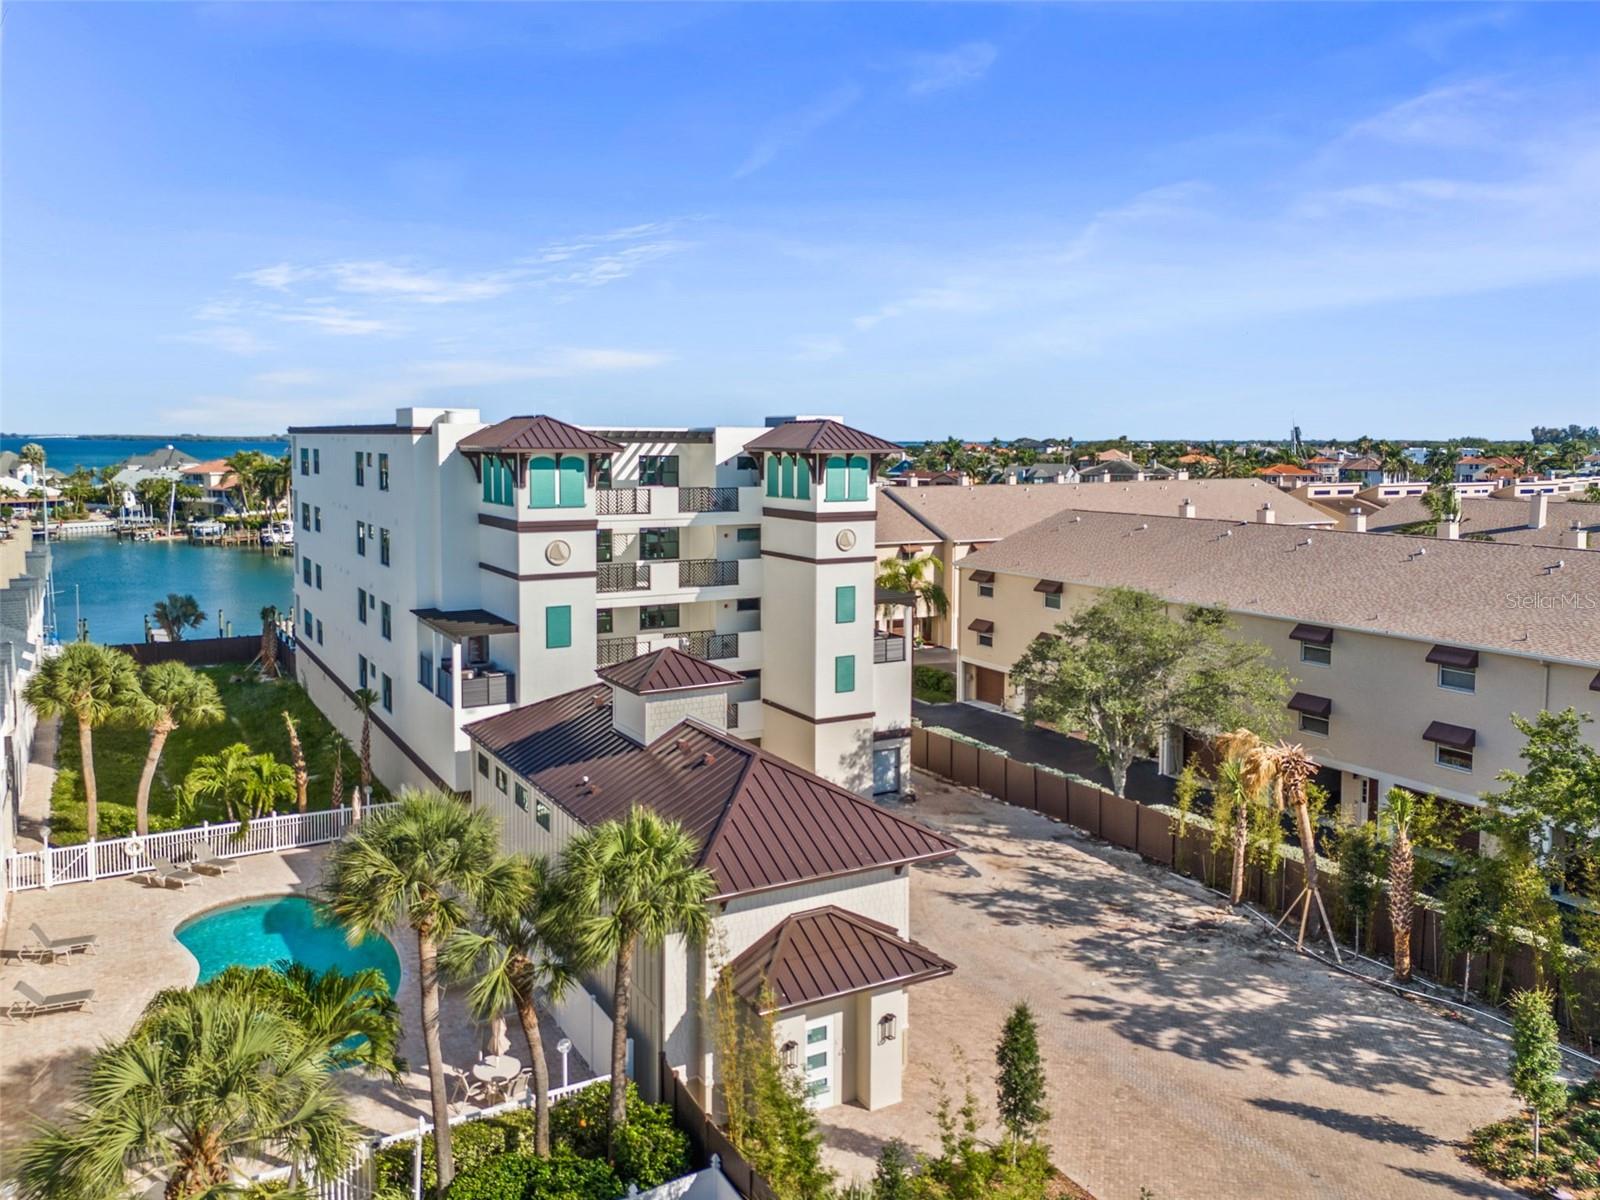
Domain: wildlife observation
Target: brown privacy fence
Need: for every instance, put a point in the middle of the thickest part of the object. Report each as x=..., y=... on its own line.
x=706, y=1139
x=208, y=652
x=1153, y=831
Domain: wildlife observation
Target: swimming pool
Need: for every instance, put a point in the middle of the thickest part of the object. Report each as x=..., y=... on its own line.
x=261, y=933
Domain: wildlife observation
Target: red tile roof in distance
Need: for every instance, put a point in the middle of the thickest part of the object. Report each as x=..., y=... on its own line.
x=821, y=436
x=827, y=952
x=535, y=433
x=761, y=822
x=667, y=670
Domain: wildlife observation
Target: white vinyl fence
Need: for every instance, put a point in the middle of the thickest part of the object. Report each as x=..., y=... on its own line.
x=124, y=856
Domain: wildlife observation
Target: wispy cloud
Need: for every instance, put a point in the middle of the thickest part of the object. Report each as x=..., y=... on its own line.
x=796, y=127
x=965, y=64
x=378, y=278
x=341, y=322
x=235, y=339
x=1470, y=113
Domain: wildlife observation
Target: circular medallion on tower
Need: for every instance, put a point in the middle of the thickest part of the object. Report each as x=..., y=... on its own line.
x=557, y=552
x=846, y=539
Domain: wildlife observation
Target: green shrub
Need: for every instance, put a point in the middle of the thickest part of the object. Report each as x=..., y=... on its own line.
x=933, y=685
x=473, y=1142
x=650, y=1148
x=562, y=1176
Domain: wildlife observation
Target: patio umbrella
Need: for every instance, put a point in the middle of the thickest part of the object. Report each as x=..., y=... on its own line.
x=499, y=1042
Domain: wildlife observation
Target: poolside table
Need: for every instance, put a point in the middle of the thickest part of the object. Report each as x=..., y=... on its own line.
x=497, y=1072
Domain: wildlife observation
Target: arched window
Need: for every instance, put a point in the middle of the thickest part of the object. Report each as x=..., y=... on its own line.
x=802, y=478
x=571, y=471
x=772, y=474
x=859, y=471
x=788, y=476
x=542, y=482
x=836, y=482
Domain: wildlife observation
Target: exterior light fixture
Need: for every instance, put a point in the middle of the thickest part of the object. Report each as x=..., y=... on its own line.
x=791, y=1055
x=886, y=1028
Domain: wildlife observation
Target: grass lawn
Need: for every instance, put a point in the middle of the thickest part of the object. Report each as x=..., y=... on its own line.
x=932, y=685
x=253, y=706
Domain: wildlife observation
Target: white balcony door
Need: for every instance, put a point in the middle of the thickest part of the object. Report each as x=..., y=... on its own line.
x=820, y=1063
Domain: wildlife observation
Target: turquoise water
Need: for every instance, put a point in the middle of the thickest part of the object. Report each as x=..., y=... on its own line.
x=65, y=453
x=114, y=584
x=262, y=933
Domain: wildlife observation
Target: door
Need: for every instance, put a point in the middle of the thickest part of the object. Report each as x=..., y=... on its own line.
x=886, y=771
x=991, y=686
x=821, y=1066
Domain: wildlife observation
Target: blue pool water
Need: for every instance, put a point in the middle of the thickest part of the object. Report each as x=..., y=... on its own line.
x=260, y=933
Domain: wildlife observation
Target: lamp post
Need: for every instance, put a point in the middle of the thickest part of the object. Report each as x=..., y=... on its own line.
x=564, y=1047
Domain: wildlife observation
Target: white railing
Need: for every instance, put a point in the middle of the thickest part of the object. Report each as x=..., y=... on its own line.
x=124, y=856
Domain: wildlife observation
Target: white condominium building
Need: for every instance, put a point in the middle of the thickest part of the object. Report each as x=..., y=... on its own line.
x=458, y=570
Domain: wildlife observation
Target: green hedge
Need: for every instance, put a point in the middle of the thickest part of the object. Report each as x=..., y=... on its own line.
x=562, y=1176
x=933, y=685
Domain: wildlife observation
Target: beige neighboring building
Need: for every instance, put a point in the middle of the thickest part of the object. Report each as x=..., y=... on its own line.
x=1408, y=654
x=812, y=882
x=951, y=523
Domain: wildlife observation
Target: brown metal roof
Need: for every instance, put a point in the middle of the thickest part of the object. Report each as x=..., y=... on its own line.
x=824, y=953
x=819, y=436
x=981, y=625
x=1453, y=656
x=1594, y=684
x=535, y=433
x=666, y=670
x=1458, y=737
x=762, y=822
x=463, y=622
x=1312, y=706
x=982, y=577
x=1048, y=586
x=1317, y=635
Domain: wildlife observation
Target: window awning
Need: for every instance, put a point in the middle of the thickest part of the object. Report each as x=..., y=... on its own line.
x=1457, y=737
x=983, y=577
x=1048, y=586
x=1312, y=706
x=1454, y=656
x=1317, y=635
x=1594, y=684
x=979, y=625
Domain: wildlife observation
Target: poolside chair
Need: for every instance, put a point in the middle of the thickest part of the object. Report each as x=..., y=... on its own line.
x=166, y=873
x=47, y=949
x=35, y=1003
x=464, y=1089
x=207, y=861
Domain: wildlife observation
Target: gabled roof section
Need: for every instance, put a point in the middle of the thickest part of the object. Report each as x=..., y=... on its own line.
x=667, y=670
x=535, y=433
x=761, y=822
x=824, y=953
x=819, y=436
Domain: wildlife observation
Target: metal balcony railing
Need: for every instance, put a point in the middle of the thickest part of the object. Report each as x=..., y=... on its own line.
x=707, y=572
x=733, y=714
x=612, y=650
x=622, y=502
x=622, y=577
x=489, y=687
x=708, y=499
x=712, y=646
x=888, y=648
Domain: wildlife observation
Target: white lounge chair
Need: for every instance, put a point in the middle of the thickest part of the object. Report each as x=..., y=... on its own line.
x=47, y=949
x=166, y=873
x=34, y=1003
x=209, y=862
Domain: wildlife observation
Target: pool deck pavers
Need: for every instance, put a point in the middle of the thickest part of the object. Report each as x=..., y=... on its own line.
x=138, y=956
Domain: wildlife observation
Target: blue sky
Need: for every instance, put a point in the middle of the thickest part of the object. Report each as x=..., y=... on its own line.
x=1165, y=220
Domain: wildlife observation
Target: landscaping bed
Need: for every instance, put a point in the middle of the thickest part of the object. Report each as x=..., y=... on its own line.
x=1569, y=1149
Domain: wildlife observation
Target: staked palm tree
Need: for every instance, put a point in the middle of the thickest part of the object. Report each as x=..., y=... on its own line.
x=205, y=1083
x=422, y=865
x=1400, y=814
x=632, y=883
x=518, y=949
x=172, y=696
x=364, y=699
x=297, y=756
x=177, y=613
x=96, y=685
x=269, y=641
x=224, y=777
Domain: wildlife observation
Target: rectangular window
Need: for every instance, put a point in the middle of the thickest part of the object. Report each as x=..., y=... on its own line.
x=602, y=473
x=603, y=620
x=500, y=778
x=1316, y=725
x=748, y=604
x=541, y=814
x=658, y=470
x=305, y=570
x=361, y=669
x=388, y=694
x=558, y=626
x=658, y=544
x=844, y=673
x=384, y=622
x=483, y=765
x=844, y=605
x=319, y=633
x=305, y=516
x=308, y=622
x=383, y=546
x=318, y=570
x=361, y=470
x=1052, y=599
x=986, y=590
x=519, y=796
x=1320, y=656
x=316, y=518
x=425, y=670
x=750, y=533
x=658, y=616
x=986, y=639
x=316, y=462
x=602, y=546
x=1456, y=760
x=361, y=605
x=305, y=461
x=1458, y=679
x=361, y=538
x=383, y=472
x=744, y=463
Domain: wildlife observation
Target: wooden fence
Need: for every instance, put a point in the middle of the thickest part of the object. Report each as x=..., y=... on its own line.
x=706, y=1139
x=196, y=652
x=1153, y=833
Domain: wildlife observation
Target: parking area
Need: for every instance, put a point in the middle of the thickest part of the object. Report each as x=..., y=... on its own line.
x=1188, y=1051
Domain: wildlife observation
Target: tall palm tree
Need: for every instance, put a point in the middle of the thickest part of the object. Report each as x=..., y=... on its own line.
x=297, y=756
x=205, y=1081
x=421, y=865
x=517, y=950
x=1238, y=791
x=223, y=776
x=177, y=613
x=917, y=576
x=95, y=684
x=336, y=787
x=245, y=464
x=269, y=641
x=364, y=699
x=271, y=480
x=632, y=883
x=1400, y=815
x=172, y=696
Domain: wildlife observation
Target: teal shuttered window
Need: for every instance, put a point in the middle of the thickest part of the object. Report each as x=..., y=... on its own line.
x=844, y=673
x=499, y=481
x=558, y=626
x=844, y=605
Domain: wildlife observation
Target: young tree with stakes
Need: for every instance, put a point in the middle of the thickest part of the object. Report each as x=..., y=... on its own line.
x=1021, y=1081
x=297, y=757
x=1536, y=1058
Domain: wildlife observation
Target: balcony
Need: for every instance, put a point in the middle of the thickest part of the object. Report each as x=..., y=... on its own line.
x=702, y=643
x=708, y=572
x=711, y=646
x=483, y=686
x=888, y=648
x=609, y=651
x=708, y=499
x=623, y=577
x=622, y=502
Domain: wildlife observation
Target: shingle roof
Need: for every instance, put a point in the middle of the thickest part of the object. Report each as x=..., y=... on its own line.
x=988, y=512
x=761, y=822
x=1497, y=519
x=814, y=436
x=824, y=953
x=1507, y=598
x=535, y=433
x=666, y=670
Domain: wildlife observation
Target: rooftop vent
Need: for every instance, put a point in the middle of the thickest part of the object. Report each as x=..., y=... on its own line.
x=707, y=759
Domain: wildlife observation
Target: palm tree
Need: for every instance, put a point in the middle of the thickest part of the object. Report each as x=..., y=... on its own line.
x=223, y=776
x=632, y=883
x=912, y=575
x=95, y=684
x=336, y=788
x=271, y=480
x=266, y=781
x=244, y=464
x=269, y=641
x=173, y=695
x=1238, y=793
x=297, y=755
x=177, y=613
x=364, y=699
x=422, y=865
x=517, y=951
x=33, y=454
x=1400, y=814
x=204, y=1082
x=78, y=487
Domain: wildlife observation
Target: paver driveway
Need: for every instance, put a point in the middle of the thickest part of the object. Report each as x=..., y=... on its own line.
x=1188, y=1052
